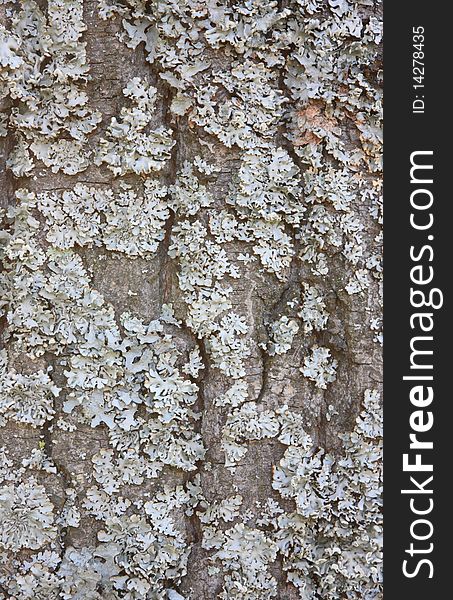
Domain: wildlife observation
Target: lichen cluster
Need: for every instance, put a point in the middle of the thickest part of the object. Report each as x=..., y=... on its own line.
x=234, y=169
x=44, y=70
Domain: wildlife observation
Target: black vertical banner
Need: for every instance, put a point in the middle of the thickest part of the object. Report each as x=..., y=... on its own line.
x=418, y=261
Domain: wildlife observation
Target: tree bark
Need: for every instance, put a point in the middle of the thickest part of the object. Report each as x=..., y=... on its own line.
x=128, y=473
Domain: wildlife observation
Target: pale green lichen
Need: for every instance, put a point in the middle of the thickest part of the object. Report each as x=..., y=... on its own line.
x=247, y=157
x=129, y=147
x=27, y=516
x=332, y=543
x=320, y=367
x=282, y=333
x=125, y=221
x=45, y=73
x=27, y=399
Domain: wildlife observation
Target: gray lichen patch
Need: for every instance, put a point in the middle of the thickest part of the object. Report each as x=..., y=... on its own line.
x=27, y=516
x=45, y=69
x=128, y=145
x=191, y=300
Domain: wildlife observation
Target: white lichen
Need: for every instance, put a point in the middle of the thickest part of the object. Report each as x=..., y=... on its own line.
x=320, y=367
x=130, y=146
x=26, y=516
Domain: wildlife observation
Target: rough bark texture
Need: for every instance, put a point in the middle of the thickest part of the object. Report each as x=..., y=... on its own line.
x=191, y=305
